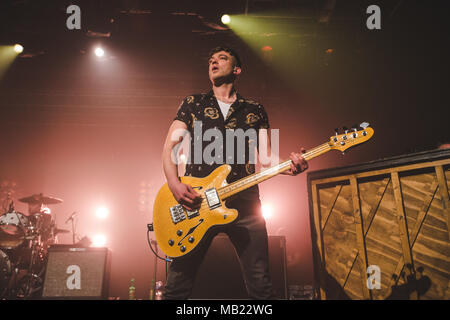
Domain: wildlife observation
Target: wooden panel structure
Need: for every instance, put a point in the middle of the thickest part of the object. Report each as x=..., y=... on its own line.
x=390, y=215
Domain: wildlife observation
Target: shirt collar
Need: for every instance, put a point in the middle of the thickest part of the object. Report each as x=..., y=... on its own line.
x=236, y=104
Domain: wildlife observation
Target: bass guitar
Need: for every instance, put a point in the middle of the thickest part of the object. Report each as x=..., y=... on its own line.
x=179, y=231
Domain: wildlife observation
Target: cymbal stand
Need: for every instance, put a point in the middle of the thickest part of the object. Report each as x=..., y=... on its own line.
x=34, y=280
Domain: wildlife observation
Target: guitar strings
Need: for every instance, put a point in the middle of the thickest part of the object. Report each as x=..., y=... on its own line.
x=278, y=169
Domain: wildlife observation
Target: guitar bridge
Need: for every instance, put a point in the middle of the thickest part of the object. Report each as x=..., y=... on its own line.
x=177, y=213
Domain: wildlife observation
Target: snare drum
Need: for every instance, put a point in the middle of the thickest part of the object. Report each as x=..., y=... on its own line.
x=13, y=229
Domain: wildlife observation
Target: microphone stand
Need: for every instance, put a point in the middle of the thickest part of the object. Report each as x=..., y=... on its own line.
x=71, y=218
x=73, y=231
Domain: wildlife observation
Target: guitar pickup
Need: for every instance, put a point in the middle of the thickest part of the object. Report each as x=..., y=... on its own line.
x=177, y=213
x=213, y=198
x=192, y=214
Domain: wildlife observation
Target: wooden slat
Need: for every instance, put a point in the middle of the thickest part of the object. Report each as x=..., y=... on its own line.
x=419, y=221
x=443, y=187
x=403, y=229
x=372, y=211
x=444, y=195
x=319, y=242
x=337, y=191
x=359, y=228
x=383, y=172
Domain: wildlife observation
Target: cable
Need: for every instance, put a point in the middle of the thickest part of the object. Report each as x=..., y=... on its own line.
x=150, y=245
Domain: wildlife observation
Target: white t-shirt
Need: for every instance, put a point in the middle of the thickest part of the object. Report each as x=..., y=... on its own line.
x=224, y=107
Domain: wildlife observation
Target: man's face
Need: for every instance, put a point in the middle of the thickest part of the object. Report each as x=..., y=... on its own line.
x=221, y=67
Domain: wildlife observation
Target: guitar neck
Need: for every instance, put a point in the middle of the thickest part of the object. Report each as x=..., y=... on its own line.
x=266, y=174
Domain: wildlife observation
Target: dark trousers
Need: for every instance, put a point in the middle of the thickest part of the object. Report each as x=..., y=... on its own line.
x=249, y=237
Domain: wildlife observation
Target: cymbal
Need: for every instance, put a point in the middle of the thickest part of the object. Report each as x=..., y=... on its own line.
x=40, y=198
x=56, y=230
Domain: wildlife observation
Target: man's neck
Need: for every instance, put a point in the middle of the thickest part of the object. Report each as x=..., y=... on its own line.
x=225, y=92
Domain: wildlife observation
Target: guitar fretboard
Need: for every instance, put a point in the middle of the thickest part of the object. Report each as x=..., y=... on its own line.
x=259, y=177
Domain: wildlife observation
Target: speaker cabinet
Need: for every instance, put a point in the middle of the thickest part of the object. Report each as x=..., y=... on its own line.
x=76, y=273
x=220, y=275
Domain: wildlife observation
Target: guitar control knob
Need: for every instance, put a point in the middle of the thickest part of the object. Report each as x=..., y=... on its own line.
x=179, y=233
x=182, y=248
x=191, y=239
x=171, y=242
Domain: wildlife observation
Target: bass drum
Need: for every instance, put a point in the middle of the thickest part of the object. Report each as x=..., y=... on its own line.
x=13, y=229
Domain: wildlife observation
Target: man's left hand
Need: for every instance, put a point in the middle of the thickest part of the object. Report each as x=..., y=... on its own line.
x=298, y=163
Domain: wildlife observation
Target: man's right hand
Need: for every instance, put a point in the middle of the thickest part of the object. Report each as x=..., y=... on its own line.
x=185, y=195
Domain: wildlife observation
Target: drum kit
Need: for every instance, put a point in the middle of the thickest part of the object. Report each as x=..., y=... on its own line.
x=24, y=240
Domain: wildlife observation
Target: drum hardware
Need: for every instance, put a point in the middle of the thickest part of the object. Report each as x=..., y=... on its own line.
x=5, y=272
x=24, y=240
x=56, y=231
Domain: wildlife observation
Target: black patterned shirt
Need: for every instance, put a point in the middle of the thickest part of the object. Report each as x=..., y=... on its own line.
x=243, y=114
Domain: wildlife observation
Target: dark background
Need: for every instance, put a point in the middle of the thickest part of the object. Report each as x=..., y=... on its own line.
x=91, y=131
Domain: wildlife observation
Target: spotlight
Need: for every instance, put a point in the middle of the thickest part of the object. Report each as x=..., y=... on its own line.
x=99, y=240
x=267, y=211
x=99, y=52
x=18, y=48
x=225, y=19
x=102, y=212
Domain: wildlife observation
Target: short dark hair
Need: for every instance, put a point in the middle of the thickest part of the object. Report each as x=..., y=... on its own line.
x=230, y=51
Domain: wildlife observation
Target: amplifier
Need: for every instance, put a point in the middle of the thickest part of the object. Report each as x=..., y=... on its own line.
x=76, y=273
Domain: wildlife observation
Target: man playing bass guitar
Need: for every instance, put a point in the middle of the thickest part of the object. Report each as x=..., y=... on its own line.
x=223, y=109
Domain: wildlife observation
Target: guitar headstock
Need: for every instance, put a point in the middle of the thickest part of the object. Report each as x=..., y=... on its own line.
x=351, y=137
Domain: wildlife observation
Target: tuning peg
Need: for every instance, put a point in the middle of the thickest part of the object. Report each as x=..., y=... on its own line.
x=364, y=125
x=355, y=127
x=335, y=139
x=345, y=129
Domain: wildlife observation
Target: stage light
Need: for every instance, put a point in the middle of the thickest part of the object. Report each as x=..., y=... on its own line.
x=99, y=52
x=266, y=48
x=99, y=240
x=18, y=48
x=226, y=19
x=267, y=211
x=102, y=213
